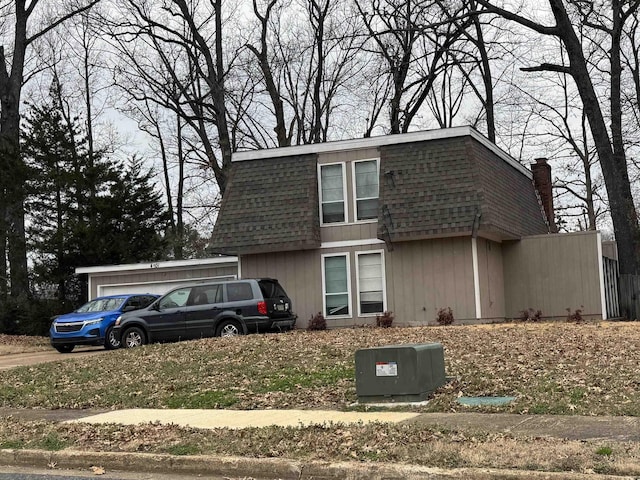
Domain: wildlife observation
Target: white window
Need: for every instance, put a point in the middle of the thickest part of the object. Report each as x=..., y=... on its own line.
x=332, y=188
x=365, y=179
x=371, y=283
x=335, y=284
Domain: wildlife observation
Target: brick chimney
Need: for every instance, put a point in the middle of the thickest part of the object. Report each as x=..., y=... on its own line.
x=542, y=182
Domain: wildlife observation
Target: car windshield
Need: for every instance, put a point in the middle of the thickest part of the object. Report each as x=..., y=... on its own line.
x=102, y=305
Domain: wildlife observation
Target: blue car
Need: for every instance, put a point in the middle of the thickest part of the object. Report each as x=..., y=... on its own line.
x=92, y=323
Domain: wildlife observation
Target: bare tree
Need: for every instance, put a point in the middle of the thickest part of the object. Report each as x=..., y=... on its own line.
x=19, y=14
x=177, y=60
x=411, y=38
x=306, y=54
x=609, y=144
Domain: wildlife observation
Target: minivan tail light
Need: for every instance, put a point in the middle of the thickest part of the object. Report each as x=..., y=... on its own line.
x=262, y=308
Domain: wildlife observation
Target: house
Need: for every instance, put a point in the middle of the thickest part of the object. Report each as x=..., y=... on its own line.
x=408, y=223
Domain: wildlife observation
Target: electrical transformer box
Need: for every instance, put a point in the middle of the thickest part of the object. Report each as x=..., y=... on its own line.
x=399, y=373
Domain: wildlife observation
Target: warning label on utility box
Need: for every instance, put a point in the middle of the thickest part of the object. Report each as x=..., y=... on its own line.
x=386, y=369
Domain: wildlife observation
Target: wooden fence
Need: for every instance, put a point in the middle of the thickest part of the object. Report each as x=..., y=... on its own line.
x=611, y=287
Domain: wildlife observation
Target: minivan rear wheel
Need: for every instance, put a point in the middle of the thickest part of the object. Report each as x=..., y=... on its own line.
x=133, y=337
x=228, y=328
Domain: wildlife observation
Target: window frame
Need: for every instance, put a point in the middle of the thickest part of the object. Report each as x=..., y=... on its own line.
x=345, y=203
x=355, y=189
x=383, y=278
x=347, y=257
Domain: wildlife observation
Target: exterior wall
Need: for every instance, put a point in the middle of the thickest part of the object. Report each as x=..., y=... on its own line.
x=491, y=280
x=421, y=277
x=424, y=276
x=155, y=280
x=553, y=273
x=356, y=231
x=351, y=230
x=298, y=272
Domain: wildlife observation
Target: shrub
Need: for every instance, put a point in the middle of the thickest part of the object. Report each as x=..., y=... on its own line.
x=530, y=315
x=445, y=316
x=575, y=316
x=317, y=322
x=385, y=320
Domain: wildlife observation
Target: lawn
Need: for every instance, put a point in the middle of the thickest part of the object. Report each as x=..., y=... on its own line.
x=552, y=368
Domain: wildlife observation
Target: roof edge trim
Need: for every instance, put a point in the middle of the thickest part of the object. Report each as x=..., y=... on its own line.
x=379, y=141
x=203, y=262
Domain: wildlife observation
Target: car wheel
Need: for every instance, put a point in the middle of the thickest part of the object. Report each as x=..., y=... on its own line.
x=64, y=348
x=133, y=337
x=228, y=328
x=110, y=341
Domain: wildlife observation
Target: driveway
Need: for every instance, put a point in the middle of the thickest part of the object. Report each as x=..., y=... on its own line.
x=20, y=359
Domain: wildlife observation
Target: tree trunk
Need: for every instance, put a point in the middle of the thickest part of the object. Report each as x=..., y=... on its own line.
x=610, y=151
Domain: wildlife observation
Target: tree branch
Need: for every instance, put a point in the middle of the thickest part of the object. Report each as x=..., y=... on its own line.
x=548, y=67
x=62, y=19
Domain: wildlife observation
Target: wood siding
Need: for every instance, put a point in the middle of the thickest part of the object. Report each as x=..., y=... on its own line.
x=424, y=276
x=490, y=274
x=552, y=273
x=356, y=231
x=421, y=277
x=298, y=272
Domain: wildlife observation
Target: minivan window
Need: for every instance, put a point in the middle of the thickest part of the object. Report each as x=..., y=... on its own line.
x=239, y=291
x=271, y=289
x=177, y=298
x=206, y=295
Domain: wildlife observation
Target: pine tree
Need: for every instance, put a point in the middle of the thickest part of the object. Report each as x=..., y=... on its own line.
x=84, y=210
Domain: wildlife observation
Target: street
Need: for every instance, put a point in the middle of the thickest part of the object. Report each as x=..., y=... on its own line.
x=14, y=473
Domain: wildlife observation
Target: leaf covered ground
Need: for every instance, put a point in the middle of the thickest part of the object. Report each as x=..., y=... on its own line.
x=557, y=368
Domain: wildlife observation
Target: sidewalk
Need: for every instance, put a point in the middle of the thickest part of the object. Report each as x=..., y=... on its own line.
x=557, y=426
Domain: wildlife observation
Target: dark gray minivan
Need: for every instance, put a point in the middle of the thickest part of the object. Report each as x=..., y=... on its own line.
x=225, y=308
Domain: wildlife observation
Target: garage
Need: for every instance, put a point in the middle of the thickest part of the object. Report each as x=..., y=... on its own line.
x=156, y=277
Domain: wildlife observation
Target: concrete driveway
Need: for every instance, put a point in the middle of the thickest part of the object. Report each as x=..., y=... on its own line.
x=31, y=358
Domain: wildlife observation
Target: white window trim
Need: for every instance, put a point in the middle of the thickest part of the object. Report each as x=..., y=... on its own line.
x=384, y=281
x=355, y=193
x=344, y=193
x=324, y=285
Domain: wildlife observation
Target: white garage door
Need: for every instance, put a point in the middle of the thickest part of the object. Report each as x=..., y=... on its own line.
x=153, y=287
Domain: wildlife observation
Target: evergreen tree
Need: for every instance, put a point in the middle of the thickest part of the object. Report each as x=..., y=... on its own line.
x=50, y=153
x=135, y=217
x=84, y=210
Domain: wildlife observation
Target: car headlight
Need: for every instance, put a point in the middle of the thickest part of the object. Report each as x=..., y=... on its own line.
x=118, y=320
x=93, y=322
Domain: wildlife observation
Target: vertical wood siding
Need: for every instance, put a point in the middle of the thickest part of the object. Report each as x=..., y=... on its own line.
x=491, y=277
x=553, y=273
x=424, y=276
x=298, y=272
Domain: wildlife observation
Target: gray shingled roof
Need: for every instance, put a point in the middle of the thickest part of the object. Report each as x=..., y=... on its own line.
x=439, y=187
x=436, y=187
x=269, y=206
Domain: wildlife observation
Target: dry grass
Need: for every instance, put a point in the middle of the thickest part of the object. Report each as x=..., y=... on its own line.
x=554, y=368
x=408, y=444
x=588, y=369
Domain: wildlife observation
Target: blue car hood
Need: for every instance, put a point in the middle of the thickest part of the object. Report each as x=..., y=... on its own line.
x=82, y=316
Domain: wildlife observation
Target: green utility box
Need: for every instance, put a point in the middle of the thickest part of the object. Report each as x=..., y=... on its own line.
x=399, y=373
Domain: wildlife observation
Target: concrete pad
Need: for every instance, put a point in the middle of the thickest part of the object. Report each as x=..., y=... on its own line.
x=235, y=419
